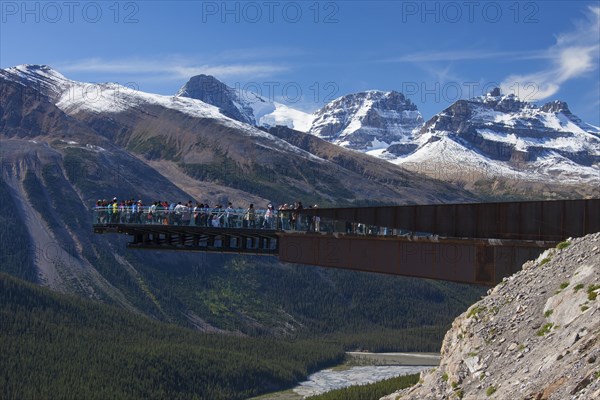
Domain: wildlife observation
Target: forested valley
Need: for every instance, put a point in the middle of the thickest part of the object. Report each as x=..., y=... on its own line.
x=61, y=346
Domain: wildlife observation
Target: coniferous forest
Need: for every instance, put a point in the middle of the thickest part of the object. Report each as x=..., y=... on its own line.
x=58, y=346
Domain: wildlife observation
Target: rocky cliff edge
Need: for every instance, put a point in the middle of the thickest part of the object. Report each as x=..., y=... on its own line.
x=534, y=336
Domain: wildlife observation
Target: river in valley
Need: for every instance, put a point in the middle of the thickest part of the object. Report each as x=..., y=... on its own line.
x=361, y=368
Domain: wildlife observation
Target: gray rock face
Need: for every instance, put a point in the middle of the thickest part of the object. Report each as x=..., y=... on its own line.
x=212, y=91
x=535, y=336
x=400, y=149
x=364, y=120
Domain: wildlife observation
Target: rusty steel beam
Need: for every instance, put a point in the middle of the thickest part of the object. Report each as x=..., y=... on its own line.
x=481, y=262
x=553, y=220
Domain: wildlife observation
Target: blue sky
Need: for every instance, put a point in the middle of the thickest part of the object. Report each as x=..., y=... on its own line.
x=306, y=53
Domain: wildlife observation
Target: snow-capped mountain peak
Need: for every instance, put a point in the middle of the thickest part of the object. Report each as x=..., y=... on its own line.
x=41, y=77
x=367, y=120
x=212, y=91
x=243, y=105
x=512, y=137
x=32, y=70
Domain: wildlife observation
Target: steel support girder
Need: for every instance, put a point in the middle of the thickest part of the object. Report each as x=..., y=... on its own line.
x=469, y=261
x=190, y=238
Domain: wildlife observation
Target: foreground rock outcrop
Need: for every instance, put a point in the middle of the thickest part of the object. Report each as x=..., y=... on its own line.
x=535, y=336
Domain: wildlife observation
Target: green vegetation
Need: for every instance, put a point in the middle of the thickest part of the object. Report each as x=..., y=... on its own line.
x=445, y=377
x=56, y=346
x=548, y=313
x=578, y=287
x=490, y=391
x=591, y=291
x=584, y=307
x=564, y=285
x=373, y=391
x=154, y=147
x=475, y=310
x=545, y=260
x=563, y=245
x=459, y=393
x=548, y=257
x=351, y=308
x=425, y=339
x=545, y=329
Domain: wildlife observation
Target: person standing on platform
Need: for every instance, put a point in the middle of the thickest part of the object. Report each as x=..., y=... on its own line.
x=251, y=217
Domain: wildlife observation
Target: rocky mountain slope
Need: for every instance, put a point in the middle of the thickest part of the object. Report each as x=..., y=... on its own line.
x=367, y=166
x=534, y=336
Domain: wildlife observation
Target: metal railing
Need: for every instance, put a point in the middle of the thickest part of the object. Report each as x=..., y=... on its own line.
x=204, y=217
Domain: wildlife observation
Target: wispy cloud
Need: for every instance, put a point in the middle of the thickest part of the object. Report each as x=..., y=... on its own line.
x=442, y=74
x=465, y=55
x=172, y=68
x=259, y=53
x=575, y=54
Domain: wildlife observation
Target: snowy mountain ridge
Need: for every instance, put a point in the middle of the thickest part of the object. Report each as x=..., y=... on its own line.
x=244, y=106
x=506, y=137
x=498, y=134
x=73, y=96
x=495, y=136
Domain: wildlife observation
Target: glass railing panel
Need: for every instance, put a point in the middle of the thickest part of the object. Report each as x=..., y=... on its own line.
x=281, y=220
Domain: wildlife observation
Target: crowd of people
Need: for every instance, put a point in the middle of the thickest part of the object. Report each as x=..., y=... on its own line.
x=286, y=216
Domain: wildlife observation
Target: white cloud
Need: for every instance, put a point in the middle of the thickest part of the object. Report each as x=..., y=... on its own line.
x=172, y=68
x=574, y=54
